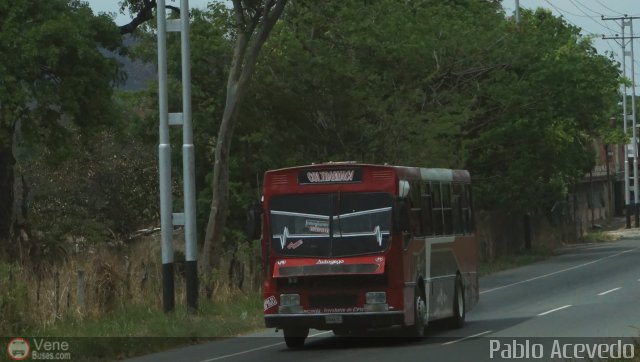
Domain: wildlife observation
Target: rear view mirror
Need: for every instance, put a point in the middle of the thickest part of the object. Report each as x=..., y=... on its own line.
x=253, y=228
x=401, y=216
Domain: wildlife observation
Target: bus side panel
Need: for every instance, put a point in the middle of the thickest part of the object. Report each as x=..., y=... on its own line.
x=443, y=268
x=466, y=251
x=449, y=255
x=413, y=261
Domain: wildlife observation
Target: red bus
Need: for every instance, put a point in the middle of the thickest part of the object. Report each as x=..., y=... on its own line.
x=350, y=246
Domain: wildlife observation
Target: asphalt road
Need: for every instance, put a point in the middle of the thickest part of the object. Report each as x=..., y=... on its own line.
x=554, y=306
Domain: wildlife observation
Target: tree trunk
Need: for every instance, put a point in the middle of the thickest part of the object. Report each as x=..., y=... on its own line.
x=13, y=198
x=214, y=234
x=254, y=26
x=7, y=165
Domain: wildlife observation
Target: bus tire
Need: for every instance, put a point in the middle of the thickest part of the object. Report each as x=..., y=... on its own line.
x=416, y=331
x=459, y=310
x=294, y=337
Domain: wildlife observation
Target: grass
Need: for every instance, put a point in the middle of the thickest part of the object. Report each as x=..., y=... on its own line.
x=597, y=237
x=513, y=261
x=120, y=314
x=161, y=331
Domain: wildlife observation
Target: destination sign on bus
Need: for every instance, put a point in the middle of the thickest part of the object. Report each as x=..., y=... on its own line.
x=330, y=176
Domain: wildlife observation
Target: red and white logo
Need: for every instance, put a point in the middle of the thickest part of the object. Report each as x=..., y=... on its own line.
x=295, y=245
x=270, y=302
x=18, y=349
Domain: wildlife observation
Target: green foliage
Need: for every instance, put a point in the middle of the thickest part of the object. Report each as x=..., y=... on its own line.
x=514, y=261
x=142, y=321
x=214, y=320
x=13, y=299
x=598, y=237
x=53, y=70
x=465, y=89
x=554, y=99
x=105, y=193
x=430, y=83
x=56, y=85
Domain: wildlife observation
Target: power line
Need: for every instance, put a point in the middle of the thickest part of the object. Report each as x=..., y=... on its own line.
x=590, y=18
x=586, y=7
x=608, y=8
x=562, y=13
x=568, y=12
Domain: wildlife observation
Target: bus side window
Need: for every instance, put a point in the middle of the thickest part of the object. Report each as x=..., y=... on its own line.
x=415, y=192
x=469, y=213
x=415, y=214
x=446, y=209
x=457, y=191
x=438, y=221
x=426, y=202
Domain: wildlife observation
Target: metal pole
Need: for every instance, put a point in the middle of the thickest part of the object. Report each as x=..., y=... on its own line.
x=188, y=164
x=164, y=157
x=517, y=11
x=627, y=201
x=636, y=184
x=609, y=203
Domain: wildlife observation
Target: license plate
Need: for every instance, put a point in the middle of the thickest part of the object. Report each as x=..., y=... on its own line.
x=333, y=319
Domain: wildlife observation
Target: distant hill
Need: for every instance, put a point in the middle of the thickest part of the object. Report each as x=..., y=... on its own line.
x=139, y=74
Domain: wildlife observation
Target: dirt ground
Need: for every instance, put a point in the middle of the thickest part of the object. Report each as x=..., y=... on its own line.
x=617, y=228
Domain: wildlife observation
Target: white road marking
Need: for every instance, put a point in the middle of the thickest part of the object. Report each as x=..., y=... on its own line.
x=609, y=291
x=465, y=338
x=255, y=349
x=555, y=272
x=555, y=310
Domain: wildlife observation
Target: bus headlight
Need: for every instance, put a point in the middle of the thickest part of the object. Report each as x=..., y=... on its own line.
x=376, y=302
x=290, y=304
x=288, y=300
x=376, y=298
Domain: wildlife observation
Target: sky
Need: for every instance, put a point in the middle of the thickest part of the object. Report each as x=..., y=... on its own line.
x=583, y=13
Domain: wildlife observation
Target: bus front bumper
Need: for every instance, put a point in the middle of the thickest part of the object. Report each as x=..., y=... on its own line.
x=327, y=320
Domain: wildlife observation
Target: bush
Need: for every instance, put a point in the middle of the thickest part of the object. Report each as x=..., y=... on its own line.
x=105, y=193
x=13, y=300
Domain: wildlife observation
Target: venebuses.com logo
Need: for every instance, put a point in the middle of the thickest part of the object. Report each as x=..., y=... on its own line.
x=18, y=349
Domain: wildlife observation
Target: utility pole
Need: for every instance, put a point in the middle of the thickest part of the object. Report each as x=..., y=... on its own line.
x=517, y=11
x=636, y=184
x=164, y=159
x=168, y=219
x=622, y=41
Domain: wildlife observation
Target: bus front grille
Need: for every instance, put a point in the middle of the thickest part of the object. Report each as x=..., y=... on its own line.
x=333, y=300
x=303, y=270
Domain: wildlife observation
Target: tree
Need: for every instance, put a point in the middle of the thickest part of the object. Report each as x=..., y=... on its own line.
x=143, y=10
x=538, y=117
x=55, y=82
x=440, y=84
x=518, y=106
x=254, y=21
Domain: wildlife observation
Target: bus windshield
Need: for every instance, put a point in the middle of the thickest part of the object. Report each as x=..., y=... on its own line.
x=330, y=225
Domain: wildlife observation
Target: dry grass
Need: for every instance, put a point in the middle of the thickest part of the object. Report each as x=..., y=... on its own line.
x=115, y=278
